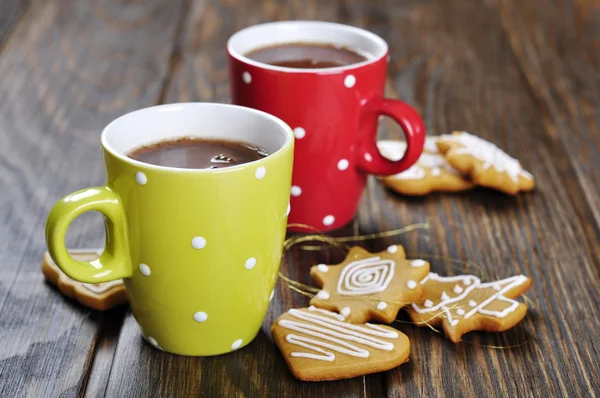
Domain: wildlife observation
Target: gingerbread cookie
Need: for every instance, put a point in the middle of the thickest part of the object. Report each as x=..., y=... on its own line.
x=485, y=163
x=431, y=173
x=99, y=296
x=368, y=286
x=462, y=304
x=320, y=345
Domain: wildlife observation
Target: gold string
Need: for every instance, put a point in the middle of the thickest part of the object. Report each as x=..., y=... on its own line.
x=340, y=243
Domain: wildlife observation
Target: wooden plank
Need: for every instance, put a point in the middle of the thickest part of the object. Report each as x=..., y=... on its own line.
x=12, y=11
x=557, y=51
x=453, y=60
x=68, y=70
x=454, y=63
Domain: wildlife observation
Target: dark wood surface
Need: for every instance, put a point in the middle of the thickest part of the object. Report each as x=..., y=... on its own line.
x=522, y=73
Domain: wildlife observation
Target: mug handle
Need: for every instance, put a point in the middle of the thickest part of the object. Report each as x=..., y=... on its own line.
x=370, y=159
x=114, y=262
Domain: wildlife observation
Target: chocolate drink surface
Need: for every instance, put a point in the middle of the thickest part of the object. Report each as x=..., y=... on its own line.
x=198, y=153
x=306, y=55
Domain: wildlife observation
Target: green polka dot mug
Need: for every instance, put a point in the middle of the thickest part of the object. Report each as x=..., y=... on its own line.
x=198, y=249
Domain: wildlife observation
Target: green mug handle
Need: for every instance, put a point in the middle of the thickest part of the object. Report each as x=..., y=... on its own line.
x=114, y=263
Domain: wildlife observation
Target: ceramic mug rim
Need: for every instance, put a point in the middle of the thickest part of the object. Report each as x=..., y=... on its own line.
x=380, y=45
x=173, y=108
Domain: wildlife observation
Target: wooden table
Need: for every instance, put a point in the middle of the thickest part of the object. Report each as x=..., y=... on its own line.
x=522, y=73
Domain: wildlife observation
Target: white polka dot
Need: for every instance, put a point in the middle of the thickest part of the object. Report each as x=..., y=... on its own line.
x=152, y=341
x=345, y=311
x=392, y=249
x=141, y=178
x=200, y=316
x=472, y=303
x=289, y=208
x=198, y=242
x=272, y=294
x=299, y=133
x=328, y=220
x=250, y=263
x=411, y=284
x=428, y=303
x=343, y=164
x=144, y=269
x=458, y=289
x=260, y=173
x=382, y=305
x=323, y=295
x=296, y=190
x=349, y=81
x=460, y=311
x=368, y=157
x=417, y=263
x=445, y=296
x=237, y=344
x=322, y=268
x=246, y=77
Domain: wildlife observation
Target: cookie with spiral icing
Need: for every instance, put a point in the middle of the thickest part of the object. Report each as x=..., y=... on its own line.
x=485, y=163
x=320, y=345
x=431, y=172
x=369, y=286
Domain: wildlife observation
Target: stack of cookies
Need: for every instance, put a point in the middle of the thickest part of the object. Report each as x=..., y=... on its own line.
x=332, y=339
x=456, y=162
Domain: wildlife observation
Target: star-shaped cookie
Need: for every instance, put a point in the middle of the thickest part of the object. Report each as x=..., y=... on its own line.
x=485, y=163
x=320, y=345
x=431, y=172
x=369, y=286
x=461, y=304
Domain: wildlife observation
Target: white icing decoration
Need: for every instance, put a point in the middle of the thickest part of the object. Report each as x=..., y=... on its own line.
x=296, y=190
x=322, y=268
x=497, y=287
x=198, y=242
x=445, y=296
x=382, y=305
x=250, y=263
x=474, y=283
x=323, y=295
x=430, y=145
x=144, y=269
x=141, y=178
x=343, y=164
x=365, y=276
x=246, y=77
x=392, y=249
x=345, y=311
x=327, y=333
x=490, y=154
x=417, y=263
x=339, y=317
x=102, y=287
x=430, y=160
x=411, y=284
x=458, y=289
x=200, y=316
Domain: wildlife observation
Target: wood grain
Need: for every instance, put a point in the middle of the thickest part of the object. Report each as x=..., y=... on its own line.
x=522, y=74
x=68, y=69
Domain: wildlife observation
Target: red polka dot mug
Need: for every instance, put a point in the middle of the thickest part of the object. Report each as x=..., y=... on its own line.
x=333, y=111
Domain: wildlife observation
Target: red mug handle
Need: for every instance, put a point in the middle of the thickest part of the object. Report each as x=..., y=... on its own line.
x=370, y=159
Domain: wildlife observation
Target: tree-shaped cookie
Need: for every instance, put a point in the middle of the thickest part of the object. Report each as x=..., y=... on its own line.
x=462, y=303
x=319, y=345
x=485, y=163
x=431, y=173
x=367, y=286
